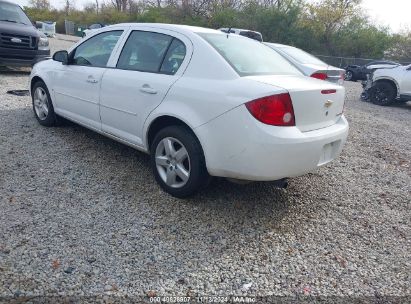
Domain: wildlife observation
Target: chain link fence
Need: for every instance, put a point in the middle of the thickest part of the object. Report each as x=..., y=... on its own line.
x=69, y=27
x=342, y=62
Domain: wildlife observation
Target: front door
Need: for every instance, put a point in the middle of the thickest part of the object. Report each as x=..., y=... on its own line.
x=77, y=84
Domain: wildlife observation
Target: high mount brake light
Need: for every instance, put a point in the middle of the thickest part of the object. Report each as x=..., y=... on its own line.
x=328, y=91
x=322, y=76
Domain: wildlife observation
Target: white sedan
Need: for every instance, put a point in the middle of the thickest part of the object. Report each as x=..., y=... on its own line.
x=201, y=102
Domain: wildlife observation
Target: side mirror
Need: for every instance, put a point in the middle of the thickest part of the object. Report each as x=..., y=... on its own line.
x=409, y=68
x=61, y=56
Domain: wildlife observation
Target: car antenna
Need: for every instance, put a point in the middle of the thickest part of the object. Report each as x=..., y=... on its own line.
x=229, y=31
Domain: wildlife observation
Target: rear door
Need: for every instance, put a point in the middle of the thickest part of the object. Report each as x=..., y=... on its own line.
x=77, y=84
x=148, y=64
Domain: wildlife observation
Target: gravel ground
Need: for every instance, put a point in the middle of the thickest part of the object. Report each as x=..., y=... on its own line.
x=82, y=215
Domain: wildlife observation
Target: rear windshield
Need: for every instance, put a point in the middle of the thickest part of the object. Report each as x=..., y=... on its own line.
x=248, y=56
x=13, y=13
x=301, y=56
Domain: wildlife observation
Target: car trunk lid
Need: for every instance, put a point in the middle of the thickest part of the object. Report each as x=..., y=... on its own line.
x=317, y=104
x=331, y=73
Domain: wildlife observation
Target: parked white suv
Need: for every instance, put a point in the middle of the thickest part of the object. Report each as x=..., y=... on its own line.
x=390, y=85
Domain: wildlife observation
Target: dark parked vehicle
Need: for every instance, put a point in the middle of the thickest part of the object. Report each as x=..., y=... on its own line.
x=21, y=44
x=357, y=72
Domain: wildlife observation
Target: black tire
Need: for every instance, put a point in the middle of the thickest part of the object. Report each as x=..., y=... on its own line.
x=198, y=175
x=349, y=75
x=50, y=119
x=383, y=93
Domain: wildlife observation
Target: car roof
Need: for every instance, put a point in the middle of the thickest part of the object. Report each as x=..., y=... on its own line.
x=176, y=27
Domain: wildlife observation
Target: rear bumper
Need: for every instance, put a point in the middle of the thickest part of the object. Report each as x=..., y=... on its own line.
x=21, y=57
x=238, y=146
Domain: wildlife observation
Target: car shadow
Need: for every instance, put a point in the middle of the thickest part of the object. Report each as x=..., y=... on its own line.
x=402, y=105
x=98, y=185
x=220, y=195
x=120, y=182
x=15, y=70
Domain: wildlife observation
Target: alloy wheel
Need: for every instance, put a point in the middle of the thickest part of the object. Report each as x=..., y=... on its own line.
x=381, y=95
x=172, y=162
x=348, y=75
x=41, y=103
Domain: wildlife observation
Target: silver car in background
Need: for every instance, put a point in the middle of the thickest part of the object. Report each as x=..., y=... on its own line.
x=308, y=64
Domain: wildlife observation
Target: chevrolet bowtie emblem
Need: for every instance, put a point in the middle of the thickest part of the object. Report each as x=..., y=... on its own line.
x=328, y=103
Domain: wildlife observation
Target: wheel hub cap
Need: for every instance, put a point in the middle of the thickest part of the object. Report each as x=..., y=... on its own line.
x=40, y=103
x=172, y=162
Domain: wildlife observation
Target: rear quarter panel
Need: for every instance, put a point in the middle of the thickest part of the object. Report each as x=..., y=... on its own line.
x=197, y=101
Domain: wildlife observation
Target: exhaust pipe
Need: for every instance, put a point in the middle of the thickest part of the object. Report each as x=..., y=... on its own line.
x=281, y=183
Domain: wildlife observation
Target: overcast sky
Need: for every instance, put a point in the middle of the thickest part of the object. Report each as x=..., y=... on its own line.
x=392, y=13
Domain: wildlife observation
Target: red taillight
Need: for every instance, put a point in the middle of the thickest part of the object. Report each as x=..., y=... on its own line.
x=321, y=76
x=275, y=110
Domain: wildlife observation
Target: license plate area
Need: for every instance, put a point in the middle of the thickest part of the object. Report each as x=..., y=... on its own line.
x=328, y=152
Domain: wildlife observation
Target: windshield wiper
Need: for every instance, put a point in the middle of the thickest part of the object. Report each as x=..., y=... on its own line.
x=13, y=21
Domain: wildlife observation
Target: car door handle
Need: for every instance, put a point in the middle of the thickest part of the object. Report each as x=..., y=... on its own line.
x=147, y=89
x=92, y=80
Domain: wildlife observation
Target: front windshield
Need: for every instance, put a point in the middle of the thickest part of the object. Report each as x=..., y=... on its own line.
x=13, y=13
x=248, y=56
x=301, y=56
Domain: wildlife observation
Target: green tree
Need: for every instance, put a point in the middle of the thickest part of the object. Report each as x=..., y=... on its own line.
x=328, y=17
x=40, y=4
x=400, y=49
x=326, y=27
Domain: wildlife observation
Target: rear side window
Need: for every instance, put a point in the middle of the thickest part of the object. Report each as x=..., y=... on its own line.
x=174, y=57
x=152, y=52
x=96, y=51
x=249, y=57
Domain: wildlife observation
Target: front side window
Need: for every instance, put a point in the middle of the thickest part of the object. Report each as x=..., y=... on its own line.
x=96, y=51
x=249, y=57
x=152, y=52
